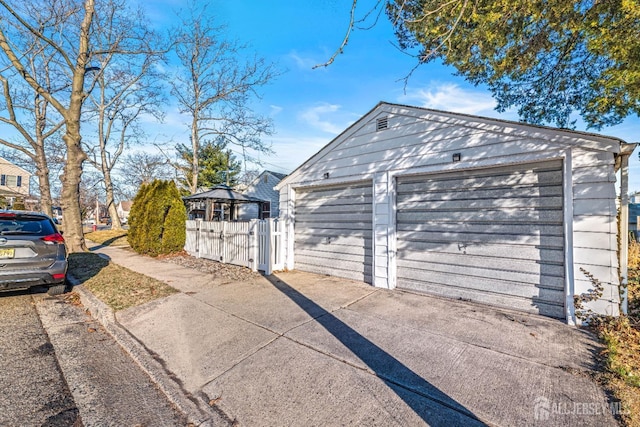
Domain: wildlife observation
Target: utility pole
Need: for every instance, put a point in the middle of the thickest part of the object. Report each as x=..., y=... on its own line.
x=97, y=211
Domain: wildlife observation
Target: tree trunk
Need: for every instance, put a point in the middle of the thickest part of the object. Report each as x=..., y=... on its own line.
x=195, y=144
x=111, y=204
x=71, y=212
x=43, y=181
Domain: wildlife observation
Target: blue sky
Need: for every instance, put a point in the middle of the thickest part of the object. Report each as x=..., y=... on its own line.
x=310, y=107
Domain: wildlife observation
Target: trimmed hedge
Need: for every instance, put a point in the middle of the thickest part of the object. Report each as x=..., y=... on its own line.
x=157, y=219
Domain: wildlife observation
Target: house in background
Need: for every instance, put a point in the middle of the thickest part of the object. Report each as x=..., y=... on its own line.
x=123, y=208
x=14, y=181
x=464, y=207
x=263, y=188
x=634, y=213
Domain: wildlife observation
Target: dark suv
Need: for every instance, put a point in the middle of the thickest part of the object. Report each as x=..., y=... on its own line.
x=32, y=252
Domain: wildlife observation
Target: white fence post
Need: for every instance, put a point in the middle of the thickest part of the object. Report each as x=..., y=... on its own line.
x=223, y=243
x=254, y=238
x=198, y=236
x=269, y=247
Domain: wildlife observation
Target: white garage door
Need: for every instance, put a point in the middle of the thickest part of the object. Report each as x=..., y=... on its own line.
x=333, y=231
x=493, y=236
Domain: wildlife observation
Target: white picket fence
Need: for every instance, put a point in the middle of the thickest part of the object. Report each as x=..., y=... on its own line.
x=256, y=244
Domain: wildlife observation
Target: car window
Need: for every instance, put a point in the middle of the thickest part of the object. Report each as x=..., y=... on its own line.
x=34, y=226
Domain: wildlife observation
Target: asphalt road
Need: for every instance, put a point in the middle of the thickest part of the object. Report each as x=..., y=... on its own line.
x=34, y=391
x=60, y=368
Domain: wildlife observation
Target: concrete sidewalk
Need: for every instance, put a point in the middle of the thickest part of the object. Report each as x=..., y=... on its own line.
x=302, y=349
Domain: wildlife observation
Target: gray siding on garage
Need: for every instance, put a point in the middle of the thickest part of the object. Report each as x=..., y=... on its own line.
x=333, y=231
x=493, y=235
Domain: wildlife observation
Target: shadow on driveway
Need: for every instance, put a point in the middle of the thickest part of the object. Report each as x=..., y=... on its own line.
x=386, y=367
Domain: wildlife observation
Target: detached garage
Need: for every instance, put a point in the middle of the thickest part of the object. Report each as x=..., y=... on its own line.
x=464, y=207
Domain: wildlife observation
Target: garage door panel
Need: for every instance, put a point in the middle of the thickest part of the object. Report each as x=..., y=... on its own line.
x=448, y=260
x=471, y=227
x=493, y=286
x=330, y=250
x=346, y=226
x=347, y=217
x=494, y=235
x=335, y=239
x=333, y=231
x=479, y=193
x=482, y=238
x=330, y=194
x=311, y=257
x=528, y=216
x=417, y=271
x=517, y=202
x=348, y=270
x=328, y=209
x=505, y=180
x=533, y=305
x=410, y=249
x=346, y=201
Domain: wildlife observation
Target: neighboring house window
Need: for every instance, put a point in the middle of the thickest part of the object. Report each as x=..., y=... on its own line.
x=11, y=180
x=266, y=210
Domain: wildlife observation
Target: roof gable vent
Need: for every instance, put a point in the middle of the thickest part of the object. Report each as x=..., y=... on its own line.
x=382, y=123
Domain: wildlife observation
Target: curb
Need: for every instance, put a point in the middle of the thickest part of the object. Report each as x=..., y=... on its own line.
x=196, y=411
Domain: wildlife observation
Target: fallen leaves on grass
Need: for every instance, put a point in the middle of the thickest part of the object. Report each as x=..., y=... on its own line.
x=116, y=286
x=622, y=354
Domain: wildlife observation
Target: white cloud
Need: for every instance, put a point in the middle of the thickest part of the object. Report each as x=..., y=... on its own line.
x=316, y=118
x=302, y=62
x=275, y=110
x=451, y=97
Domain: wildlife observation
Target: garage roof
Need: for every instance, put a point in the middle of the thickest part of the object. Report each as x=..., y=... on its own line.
x=570, y=137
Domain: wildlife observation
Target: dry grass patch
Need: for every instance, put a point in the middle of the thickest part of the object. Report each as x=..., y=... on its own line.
x=108, y=237
x=116, y=286
x=622, y=355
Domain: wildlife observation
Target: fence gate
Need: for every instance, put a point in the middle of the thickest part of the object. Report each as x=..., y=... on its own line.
x=256, y=244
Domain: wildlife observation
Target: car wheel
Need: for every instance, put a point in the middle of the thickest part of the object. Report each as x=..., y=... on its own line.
x=57, y=289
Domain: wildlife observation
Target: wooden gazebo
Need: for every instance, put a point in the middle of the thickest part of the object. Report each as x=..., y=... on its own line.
x=218, y=204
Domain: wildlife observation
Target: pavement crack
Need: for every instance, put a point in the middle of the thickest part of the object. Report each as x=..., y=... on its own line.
x=357, y=300
x=242, y=359
x=386, y=379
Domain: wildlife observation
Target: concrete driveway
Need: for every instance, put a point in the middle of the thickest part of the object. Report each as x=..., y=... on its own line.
x=303, y=349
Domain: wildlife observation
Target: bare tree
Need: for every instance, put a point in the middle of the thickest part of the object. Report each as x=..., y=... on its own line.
x=72, y=52
x=29, y=114
x=142, y=168
x=125, y=94
x=71, y=38
x=32, y=123
x=214, y=87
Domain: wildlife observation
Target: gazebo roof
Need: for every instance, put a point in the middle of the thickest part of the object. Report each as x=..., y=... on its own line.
x=223, y=193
